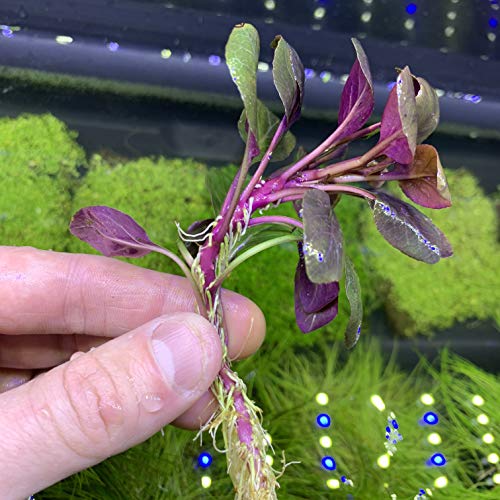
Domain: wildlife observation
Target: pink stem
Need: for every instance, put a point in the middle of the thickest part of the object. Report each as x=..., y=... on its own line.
x=282, y=127
x=275, y=219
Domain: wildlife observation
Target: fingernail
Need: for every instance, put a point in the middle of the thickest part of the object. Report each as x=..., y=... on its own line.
x=178, y=349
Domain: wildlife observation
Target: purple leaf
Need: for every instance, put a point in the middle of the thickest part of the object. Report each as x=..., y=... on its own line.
x=312, y=296
x=428, y=187
x=111, y=232
x=409, y=230
x=315, y=305
x=357, y=102
x=400, y=116
x=353, y=292
x=323, y=242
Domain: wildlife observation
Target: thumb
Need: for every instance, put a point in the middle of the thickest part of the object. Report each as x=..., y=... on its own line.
x=103, y=402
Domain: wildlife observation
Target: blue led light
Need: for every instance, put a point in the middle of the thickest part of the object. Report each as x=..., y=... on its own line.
x=438, y=459
x=411, y=8
x=7, y=33
x=204, y=459
x=493, y=22
x=308, y=73
x=323, y=420
x=214, y=60
x=431, y=418
x=328, y=463
x=113, y=46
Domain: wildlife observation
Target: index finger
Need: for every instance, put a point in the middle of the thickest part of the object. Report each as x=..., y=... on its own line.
x=44, y=292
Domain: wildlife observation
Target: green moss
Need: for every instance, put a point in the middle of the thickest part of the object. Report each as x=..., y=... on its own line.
x=420, y=298
x=39, y=165
x=164, y=467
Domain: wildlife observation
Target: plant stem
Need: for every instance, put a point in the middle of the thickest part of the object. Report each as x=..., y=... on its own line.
x=282, y=127
x=383, y=177
x=275, y=219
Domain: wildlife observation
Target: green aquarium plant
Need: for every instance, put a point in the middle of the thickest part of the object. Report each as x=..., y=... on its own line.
x=315, y=182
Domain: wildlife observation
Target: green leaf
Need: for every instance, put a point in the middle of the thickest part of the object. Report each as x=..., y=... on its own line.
x=288, y=76
x=427, y=103
x=267, y=123
x=323, y=242
x=242, y=57
x=218, y=181
x=353, y=292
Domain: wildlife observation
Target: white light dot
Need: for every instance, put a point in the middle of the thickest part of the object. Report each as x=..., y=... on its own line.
x=409, y=24
x=496, y=478
x=316, y=27
x=488, y=438
x=483, y=419
x=269, y=460
x=325, y=441
x=455, y=1
x=452, y=15
x=366, y=17
x=449, y=31
x=428, y=491
x=474, y=135
x=495, y=6
x=384, y=461
x=434, y=438
x=166, y=53
x=186, y=57
x=268, y=438
x=206, y=482
x=319, y=13
x=270, y=4
x=333, y=484
x=427, y=399
x=477, y=400
x=491, y=37
x=64, y=40
x=378, y=402
x=441, y=482
x=262, y=66
x=440, y=92
x=493, y=458
x=368, y=2
x=322, y=398
x=269, y=20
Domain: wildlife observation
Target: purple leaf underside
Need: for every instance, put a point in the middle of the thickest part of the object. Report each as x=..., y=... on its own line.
x=357, y=101
x=353, y=292
x=111, y=232
x=400, y=116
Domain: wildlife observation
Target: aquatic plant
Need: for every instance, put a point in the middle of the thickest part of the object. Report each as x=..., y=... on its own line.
x=211, y=249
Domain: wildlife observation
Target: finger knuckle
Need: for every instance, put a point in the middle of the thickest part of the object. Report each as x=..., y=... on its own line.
x=95, y=405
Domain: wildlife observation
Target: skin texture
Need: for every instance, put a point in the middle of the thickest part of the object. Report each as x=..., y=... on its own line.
x=97, y=355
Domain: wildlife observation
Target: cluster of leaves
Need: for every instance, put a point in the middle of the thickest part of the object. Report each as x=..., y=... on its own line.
x=410, y=116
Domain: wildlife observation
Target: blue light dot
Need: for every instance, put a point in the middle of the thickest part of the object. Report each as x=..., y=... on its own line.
x=411, y=8
x=395, y=424
x=388, y=429
x=113, y=46
x=343, y=479
x=214, y=60
x=204, y=459
x=431, y=418
x=493, y=22
x=308, y=73
x=438, y=459
x=328, y=463
x=323, y=420
x=7, y=33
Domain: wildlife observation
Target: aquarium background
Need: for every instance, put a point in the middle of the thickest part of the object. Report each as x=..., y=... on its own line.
x=96, y=93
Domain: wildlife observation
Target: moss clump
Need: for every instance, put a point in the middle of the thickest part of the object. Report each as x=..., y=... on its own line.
x=39, y=165
x=156, y=193
x=165, y=466
x=420, y=298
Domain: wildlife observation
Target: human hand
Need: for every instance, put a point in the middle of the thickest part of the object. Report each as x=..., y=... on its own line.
x=153, y=363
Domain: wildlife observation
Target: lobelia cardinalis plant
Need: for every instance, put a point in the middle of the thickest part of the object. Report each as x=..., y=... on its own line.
x=315, y=183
